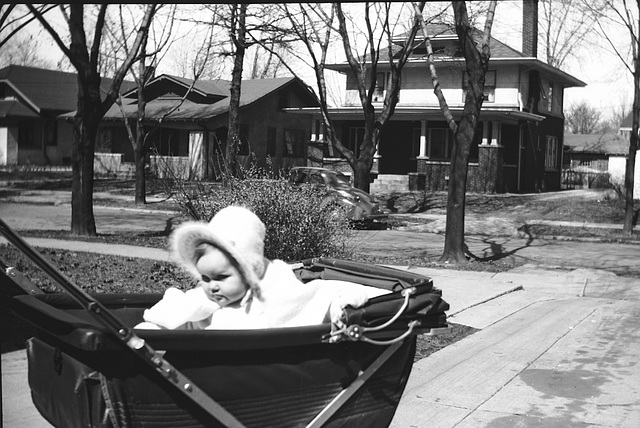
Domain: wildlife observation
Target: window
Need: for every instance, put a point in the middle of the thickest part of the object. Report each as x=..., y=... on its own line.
x=293, y=144
x=271, y=141
x=438, y=143
x=51, y=133
x=551, y=153
x=381, y=86
x=27, y=135
x=489, y=86
x=550, y=98
x=104, y=140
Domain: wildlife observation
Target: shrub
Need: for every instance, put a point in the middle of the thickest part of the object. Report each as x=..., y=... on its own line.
x=301, y=222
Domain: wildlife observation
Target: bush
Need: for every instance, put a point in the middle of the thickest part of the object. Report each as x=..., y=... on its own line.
x=301, y=222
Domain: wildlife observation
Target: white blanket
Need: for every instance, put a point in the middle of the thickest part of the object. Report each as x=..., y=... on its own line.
x=284, y=302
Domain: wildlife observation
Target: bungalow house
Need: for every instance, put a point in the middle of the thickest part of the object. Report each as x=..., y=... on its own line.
x=187, y=123
x=31, y=100
x=520, y=134
x=37, y=105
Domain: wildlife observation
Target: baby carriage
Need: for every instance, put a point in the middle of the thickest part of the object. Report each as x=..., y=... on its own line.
x=89, y=367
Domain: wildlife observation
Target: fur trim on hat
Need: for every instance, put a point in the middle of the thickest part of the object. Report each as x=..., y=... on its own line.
x=236, y=231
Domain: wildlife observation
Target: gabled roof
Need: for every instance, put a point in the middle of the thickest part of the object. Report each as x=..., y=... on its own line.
x=606, y=144
x=46, y=90
x=205, y=88
x=252, y=91
x=446, y=32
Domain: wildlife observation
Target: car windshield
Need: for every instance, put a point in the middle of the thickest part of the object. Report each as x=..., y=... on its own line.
x=335, y=178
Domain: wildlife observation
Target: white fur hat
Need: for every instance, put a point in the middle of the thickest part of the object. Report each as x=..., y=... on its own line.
x=236, y=231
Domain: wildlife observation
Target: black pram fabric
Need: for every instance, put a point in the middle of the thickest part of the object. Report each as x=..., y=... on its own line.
x=80, y=376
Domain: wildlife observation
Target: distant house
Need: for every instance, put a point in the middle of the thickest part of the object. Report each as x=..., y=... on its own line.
x=592, y=151
x=519, y=140
x=617, y=163
x=31, y=101
x=589, y=159
x=188, y=124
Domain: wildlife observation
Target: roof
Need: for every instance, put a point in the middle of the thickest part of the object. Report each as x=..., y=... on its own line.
x=608, y=144
x=252, y=91
x=47, y=89
x=206, y=88
x=500, y=53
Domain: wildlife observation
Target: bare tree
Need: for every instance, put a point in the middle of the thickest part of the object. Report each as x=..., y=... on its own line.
x=315, y=26
x=14, y=18
x=91, y=105
x=565, y=26
x=581, y=118
x=476, y=55
x=238, y=32
x=147, y=63
x=626, y=15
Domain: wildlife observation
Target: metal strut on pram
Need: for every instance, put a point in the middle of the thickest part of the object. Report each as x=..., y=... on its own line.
x=370, y=326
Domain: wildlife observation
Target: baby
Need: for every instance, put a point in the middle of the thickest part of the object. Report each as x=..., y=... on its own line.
x=238, y=288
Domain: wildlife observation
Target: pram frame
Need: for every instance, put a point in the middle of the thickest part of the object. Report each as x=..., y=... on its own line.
x=171, y=376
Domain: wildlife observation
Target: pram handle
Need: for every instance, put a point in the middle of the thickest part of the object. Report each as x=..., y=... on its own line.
x=124, y=334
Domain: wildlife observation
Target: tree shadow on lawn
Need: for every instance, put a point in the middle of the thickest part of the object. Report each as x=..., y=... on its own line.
x=496, y=251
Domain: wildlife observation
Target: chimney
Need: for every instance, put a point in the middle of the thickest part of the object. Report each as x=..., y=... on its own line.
x=530, y=28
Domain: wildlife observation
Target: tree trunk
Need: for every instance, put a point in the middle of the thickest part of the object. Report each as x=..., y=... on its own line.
x=233, y=137
x=139, y=156
x=82, y=218
x=454, y=248
x=629, y=173
x=476, y=63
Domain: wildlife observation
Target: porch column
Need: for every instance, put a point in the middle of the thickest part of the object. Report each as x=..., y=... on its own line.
x=423, y=139
x=485, y=133
x=314, y=126
x=495, y=134
x=196, y=155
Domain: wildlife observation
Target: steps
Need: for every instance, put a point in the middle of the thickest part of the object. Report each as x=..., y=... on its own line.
x=390, y=183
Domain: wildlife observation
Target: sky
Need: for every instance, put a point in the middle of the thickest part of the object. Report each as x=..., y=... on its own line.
x=609, y=84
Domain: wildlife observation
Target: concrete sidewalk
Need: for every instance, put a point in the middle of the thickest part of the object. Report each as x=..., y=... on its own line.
x=557, y=348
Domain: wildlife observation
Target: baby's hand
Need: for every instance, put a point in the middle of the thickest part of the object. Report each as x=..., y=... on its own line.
x=177, y=308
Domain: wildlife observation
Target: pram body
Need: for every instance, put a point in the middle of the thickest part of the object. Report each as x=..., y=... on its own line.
x=80, y=375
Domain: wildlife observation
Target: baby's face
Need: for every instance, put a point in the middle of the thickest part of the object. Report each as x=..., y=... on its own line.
x=219, y=279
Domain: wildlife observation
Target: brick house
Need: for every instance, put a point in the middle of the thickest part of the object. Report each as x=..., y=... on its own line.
x=519, y=142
